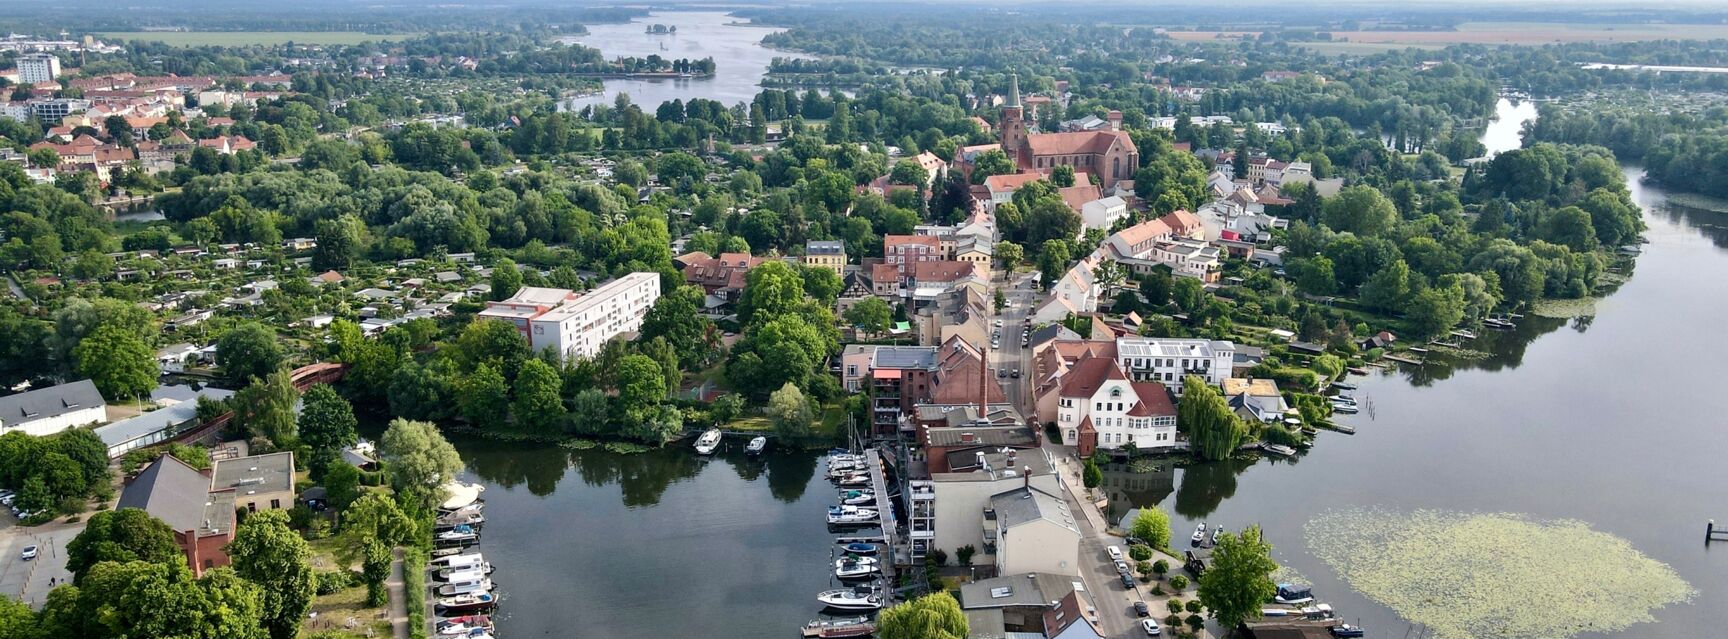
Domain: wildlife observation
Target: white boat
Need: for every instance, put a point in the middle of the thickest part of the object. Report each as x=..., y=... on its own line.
x=757, y=445
x=1215, y=533
x=850, y=569
x=850, y=600
x=457, y=537
x=1199, y=534
x=708, y=442
x=855, y=479
x=454, y=560
x=475, y=602
x=460, y=496
x=858, y=497
x=473, y=586
x=855, y=516
x=1345, y=409
x=464, y=572
x=1278, y=449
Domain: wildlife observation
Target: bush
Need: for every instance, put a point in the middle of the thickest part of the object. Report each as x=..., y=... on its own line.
x=1173, y=621
x=70, y=505
x=1157, y=591
x=1194, y=606
x=332, y=581
x=1196, y=622
x=1140, y=552
x=1175, y=605
x=1179, y=582
x=964, y=554
x=938, y=557
x=414, y=584
x=1160, y=567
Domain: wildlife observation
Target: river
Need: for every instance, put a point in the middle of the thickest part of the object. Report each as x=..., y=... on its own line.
x=739, y=57
x=1611, y=420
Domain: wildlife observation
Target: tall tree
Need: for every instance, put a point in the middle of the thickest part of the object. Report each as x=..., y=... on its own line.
x=327, y=425
x=538, y=406
x=118, y=361
x=265, y=551
x=484, y=397
x=127, y=534
x=248, y=350
x=791, y=412
x=418, y=461
x=1239, y=581
x=933, y=616
x=1152, y=525
x=870, y=314
x=506, y=278
x=1213, y=429
x=265, y=408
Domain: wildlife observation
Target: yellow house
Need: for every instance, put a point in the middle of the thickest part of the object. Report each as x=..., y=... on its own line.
x=976, y=250
x=828, y=254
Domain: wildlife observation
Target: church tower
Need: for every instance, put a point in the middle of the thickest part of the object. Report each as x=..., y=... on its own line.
x=1013, y=125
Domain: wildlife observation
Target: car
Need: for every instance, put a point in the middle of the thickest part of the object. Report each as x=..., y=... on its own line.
x=1122, y=567
x=1127, y=581
x=1014, y=373
x=1151, y=627
x=998, y=324
x=29, y=553
x=1001, y=372
x=1114, y=552
x=1140, y=608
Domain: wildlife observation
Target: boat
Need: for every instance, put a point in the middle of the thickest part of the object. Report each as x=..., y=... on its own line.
x=453, y=520
x=838, y=628
x=1294, y=595
x=455, y=559
x=462, y=572
x=1495, y=322
x=464, y=625
x=859, y=548
x=446, y=552
x=849, y=599
x=475, y=602
x=1463, y=334
x=1343, y=386
x=461, y=496
x=1347, y=409
x=456, y=538
x=1278, y=449
x=859, y=516
x=1342, y=428
x=708, y=442
x=1347, y=630
x=1215, y=533
x=465, y=587
x=1199, y=534
x=757, y=445
x=858, y=498
x=855, y=479
x=855, y=569
x=1342, y=399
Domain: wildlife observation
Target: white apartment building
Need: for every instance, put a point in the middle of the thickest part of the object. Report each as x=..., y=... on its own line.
x=38, y=67
x=1099, y=407
x=1169, y=360
x=576, y=326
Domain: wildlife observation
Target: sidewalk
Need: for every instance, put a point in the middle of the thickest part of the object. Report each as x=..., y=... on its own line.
x=398, y=597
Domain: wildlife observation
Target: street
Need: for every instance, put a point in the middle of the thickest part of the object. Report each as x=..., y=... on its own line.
x=29, y=580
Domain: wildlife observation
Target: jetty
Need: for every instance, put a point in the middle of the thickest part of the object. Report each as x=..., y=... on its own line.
x=1713, y=533
x=1401, y=359
x=1342, y=428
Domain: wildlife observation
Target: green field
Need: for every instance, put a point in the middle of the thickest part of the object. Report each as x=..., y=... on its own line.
x=242, y=38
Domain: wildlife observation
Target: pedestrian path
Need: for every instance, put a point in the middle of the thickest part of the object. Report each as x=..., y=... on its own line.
x=398, y=597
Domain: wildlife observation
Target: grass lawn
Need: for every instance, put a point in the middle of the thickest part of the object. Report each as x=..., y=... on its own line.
x=243, y=38
x=757, y=424
x=344, y=614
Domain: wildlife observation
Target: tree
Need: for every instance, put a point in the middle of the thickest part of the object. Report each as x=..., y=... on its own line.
x=992, y=162
x=266, y=552
x=791, y=412
x=118, y=361
x=1053, y=260
x=870, y=314
x=1387, y=289
x=1314, y=275
x=1090, y=475
x=484, y=397
x=908, y=171
x=265, y=408
x=339, y=243
x=144, y=599
x=373, y=518
x=538, y=405
x=1006, y=256
x=418, y=461
x=1239, y=580
x=676, y=316
x=127, y=534
x=1062, y=176
x=341, y=484
x=506, y=279
x=248, y=350
x=495, y=342
x=1435, y=310
x=770, y=291
x=641, y=383
x=43, y=158
x=933, y=616
x=1211, y=426
x=374, y=570
x=326, y=426
x=1153, y=526
x=1361, y=210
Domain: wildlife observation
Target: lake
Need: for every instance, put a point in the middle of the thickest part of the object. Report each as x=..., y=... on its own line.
x=740, y=59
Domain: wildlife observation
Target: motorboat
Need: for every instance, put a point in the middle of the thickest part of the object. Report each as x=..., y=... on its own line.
x=472, y=518
x=462, y=572
x=757, y=445
x=708, y=442
x=1347, y=630
x=1343, y=386
x=1215, y=533
x=1294, y=595
x=838, y=628
x=854, y=517
x=1345, y=409
x=469, y=525
x=455, y=560
x=858, y=498
x=464, y=625
x=473, y=586
x=860, y=548
x=456, y=538
x=849, y=599
x=474, y=602
x=1499, y=323
x=1199, y=534
x=855, y=479
x=1342, y=399
x=447, y=552
x=1278, y=449
x=855, y=568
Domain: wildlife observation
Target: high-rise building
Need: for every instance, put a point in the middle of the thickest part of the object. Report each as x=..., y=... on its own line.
x=38, y=67
x=575, y=326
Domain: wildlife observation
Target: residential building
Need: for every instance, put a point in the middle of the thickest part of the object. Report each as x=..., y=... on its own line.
x=46, y=411
x=1099, y=407
x=180, y=496
x=1169, y=360
x=1103, y=213
x=962, y=492
x=1255, y=399
x=828, y=254
x=576, y=326
x=1034, y=532
x=1023, y=606
x=977, y=250
x=902, y=251
x=926, y=281
x=259, y=482
x=38, y=68
x=722, y=277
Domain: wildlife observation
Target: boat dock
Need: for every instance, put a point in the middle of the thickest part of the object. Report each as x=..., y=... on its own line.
x=885, y=514
x=1713, y=533
x=1342, y=428
x=1401, y=359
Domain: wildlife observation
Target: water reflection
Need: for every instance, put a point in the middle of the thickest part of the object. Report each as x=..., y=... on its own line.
x=510, y=464
x=789, y=475
x=1205, y=486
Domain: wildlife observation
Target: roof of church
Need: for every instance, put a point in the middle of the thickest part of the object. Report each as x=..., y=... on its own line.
x=1078, y=142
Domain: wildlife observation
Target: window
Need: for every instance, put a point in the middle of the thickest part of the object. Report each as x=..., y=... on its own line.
x=208, y=564
x=251, y=507
x=276, y=504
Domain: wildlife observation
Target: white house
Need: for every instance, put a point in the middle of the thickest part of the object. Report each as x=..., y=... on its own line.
x=1168, y=360
x=1034, y=532
x=1103, y=213
x=1099, y=407
x=46, y=411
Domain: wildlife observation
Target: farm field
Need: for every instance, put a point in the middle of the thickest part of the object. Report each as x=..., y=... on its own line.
x=242, y=38
x=1530, y=33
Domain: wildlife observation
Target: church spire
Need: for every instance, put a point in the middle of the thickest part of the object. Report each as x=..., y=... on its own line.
x=1013, y=90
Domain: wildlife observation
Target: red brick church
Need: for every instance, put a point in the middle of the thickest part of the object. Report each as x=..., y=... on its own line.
x=1109, y=154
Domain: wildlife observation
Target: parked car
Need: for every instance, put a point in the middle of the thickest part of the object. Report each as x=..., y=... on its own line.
x=1140, y=608
x=1115, y=553
x=1127, y=581
x=29, y=553
x=1014, y=373
x=1122, y=567
x=1151, y=627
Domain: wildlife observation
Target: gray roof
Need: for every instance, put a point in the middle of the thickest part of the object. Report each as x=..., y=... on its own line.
x=905, y=357
x=183, y=410
x=178, y=495
x=1050, y=332
x=825, y=247
x=1023, y=505
x=259, y=473
x=51, y=402
x=1016, y=435
x=1038, y=589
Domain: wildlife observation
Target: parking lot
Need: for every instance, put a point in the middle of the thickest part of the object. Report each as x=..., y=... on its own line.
x=29, y=581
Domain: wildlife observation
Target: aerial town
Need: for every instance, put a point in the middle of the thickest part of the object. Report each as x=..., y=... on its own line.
x=752, y=321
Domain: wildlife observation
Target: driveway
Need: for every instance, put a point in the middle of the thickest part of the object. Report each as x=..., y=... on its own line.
x=29, y=581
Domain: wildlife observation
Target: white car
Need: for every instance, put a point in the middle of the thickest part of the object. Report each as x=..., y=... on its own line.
x=1151, y=627
x=998, y=323
x=1115, y=553
x=29, y=553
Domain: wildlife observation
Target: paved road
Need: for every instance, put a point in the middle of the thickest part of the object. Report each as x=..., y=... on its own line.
x=1023, y=298
x=30, y=581
x=398, y=597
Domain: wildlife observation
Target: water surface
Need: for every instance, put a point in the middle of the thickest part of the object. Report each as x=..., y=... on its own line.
x=740, y=59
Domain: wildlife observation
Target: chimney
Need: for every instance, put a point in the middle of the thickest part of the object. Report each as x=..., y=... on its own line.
x=1115, y=118
x=984, y=384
